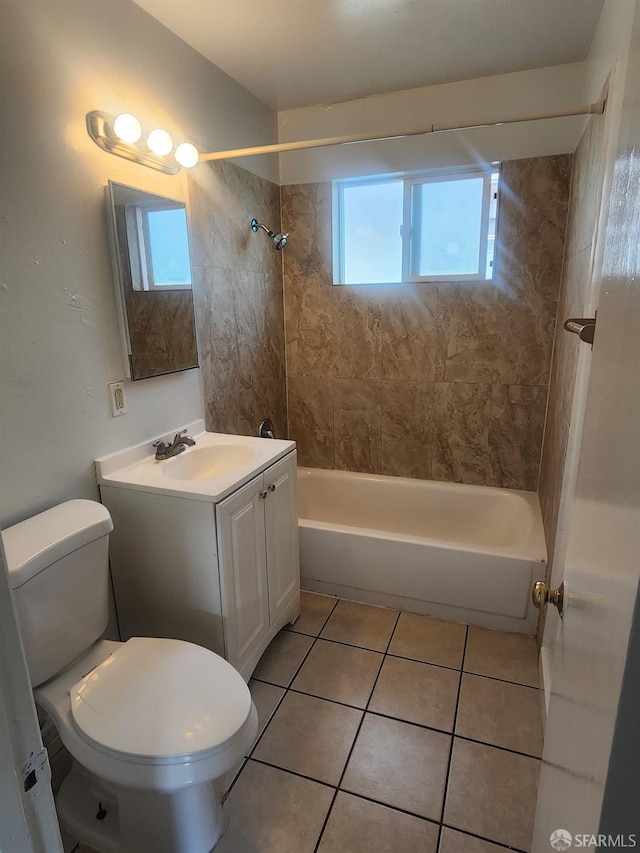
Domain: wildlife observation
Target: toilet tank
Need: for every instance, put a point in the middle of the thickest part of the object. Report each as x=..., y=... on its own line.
x=59, y=573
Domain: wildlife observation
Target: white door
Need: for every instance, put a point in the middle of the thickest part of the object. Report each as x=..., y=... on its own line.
x=28, y=822
x=283, y=558
x=243, y=570
x=602, y=560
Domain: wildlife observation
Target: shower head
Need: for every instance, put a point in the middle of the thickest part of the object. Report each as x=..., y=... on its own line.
x=278, y=241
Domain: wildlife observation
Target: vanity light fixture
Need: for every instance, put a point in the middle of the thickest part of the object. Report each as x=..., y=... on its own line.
x=127, y=128
x=160, y=142
x=123, y=136
x=187, y=155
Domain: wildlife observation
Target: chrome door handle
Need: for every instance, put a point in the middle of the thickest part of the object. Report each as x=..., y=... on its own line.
x=583, y=327
x=542, y=596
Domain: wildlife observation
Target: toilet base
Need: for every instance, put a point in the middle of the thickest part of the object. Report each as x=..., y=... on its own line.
x=184, y=821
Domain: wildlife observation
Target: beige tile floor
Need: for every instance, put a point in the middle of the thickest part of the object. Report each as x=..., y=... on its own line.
x=385, y=731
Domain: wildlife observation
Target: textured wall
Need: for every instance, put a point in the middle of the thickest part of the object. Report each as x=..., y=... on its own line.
x=438, y=381
x=59, y=340
x=576, y=280
x=239, y=306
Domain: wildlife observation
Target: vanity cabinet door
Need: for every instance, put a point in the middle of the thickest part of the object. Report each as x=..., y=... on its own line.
x=281, y=517
x=243, y=571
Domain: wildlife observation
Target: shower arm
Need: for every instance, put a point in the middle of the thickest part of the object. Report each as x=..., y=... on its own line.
x=264, y=228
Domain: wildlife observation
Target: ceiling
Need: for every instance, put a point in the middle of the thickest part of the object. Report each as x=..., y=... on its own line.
x=294, y=53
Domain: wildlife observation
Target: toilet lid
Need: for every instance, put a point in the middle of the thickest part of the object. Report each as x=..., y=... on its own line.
x=156, y=698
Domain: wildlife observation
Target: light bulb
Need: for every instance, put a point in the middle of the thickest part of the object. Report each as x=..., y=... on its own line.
x=127, y=128
x=160, y=142
x=187, y=154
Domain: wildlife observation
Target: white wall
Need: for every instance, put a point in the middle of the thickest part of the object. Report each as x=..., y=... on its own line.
x=541, y=90
x=59, y=343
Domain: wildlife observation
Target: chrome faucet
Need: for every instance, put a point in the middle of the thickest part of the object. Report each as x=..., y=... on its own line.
x=179, y=443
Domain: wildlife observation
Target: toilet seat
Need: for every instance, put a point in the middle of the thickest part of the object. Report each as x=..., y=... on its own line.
x=160, y=701
x=161, y=773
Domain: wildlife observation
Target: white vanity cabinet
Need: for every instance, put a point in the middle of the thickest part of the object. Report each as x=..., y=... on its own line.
x=259, y=561
x=221, y=574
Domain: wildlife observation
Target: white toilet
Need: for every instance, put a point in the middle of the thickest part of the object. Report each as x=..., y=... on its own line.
x=150, y=723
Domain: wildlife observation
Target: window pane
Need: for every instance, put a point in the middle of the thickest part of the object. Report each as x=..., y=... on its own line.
x=372, y=219
x=169, y=247
x=446, y=227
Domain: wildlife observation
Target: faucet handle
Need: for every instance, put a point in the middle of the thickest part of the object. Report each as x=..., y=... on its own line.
x=159, y=444
x=183, y=439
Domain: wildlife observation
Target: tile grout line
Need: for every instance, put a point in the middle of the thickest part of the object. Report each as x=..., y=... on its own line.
x=453, y=730
x=482, y=838
x=401, y=719
x=292, y=773
x=386, y=653
x=285, y=690
x=414, y=660
x=364, y=714
x=287, y=687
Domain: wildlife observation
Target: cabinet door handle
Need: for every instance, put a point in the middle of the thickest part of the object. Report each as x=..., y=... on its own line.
x=272, y=487
x=263, y=495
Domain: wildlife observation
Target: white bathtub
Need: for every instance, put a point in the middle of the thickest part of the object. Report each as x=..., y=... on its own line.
x=467, y=553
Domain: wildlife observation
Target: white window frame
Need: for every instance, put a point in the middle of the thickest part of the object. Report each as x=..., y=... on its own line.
x=409, y=181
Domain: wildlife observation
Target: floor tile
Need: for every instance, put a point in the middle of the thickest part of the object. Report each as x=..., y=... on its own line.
x=283, y=656
x=314, y=611
x=310, y=736
x=456, y=842
x=265, y=698
x=400, y=765
x=492, y=793
x=430, y=640
x=500, y=713
x=270, y=811
x=342, y=673
x=359, y=826
x=512, y=657
x=416, y=692
x=360, y=625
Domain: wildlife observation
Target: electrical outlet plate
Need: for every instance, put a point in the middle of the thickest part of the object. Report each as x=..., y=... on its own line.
x=118, y=399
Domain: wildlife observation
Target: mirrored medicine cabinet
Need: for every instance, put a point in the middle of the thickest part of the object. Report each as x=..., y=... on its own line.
x=153, y=280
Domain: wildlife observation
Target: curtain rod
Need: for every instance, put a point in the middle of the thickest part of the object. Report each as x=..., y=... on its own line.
x=592, y=109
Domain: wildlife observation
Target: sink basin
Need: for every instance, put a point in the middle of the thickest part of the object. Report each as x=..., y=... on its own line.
x=202, y=463
x=218, y=464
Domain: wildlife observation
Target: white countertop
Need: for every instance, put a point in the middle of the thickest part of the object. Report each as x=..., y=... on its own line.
x=136, y=468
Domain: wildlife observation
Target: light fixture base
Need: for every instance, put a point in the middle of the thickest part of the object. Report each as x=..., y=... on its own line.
x=100, y=129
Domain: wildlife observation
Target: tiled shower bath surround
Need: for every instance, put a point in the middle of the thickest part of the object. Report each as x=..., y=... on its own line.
x=385, y=732
x=238, y=299
x=436, y=381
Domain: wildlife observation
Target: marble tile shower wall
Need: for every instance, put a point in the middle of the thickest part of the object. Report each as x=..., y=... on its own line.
x=581, y=223
x=436, y=381
x=239, y=301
